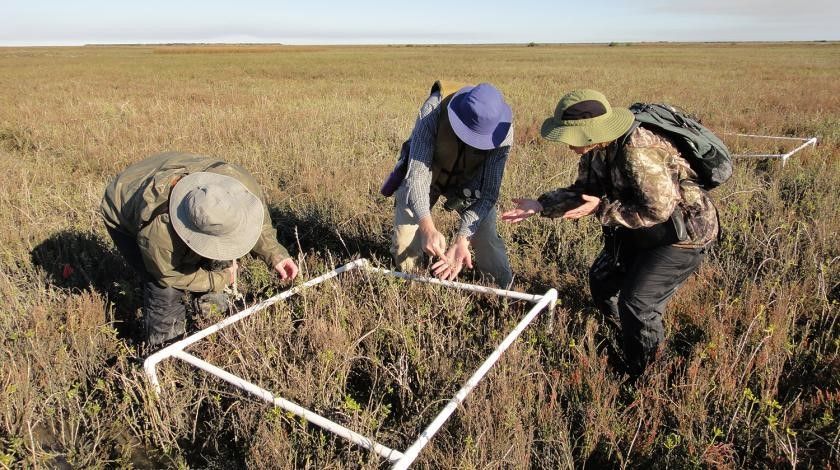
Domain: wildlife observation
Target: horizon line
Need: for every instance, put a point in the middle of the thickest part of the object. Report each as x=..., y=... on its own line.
x=423, y=44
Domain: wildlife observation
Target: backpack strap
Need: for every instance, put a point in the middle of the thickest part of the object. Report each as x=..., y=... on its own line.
x=619, y=146
x=622, y=141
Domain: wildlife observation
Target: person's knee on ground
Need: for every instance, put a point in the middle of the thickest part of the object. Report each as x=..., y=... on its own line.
x=498, y=273
x=504, y=278
x=405, y=241
x=405, y=248
x=491, y=258
x=164, y=313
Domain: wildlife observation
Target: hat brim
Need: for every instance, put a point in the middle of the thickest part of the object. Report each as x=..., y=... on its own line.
x=472, y=138
x=233, y=245
x=584, y=132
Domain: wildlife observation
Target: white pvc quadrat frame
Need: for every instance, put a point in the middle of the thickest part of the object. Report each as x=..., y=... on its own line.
x=403, y=459
x=806, y=141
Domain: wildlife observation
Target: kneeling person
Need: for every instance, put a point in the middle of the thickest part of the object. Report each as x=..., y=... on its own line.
x=170, y=216
x=458, y=150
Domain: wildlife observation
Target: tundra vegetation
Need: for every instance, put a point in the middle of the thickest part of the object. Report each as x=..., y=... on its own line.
x=749, y=376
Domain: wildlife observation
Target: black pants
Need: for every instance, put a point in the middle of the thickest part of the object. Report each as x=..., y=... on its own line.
x=164, y=308
x=632, y=288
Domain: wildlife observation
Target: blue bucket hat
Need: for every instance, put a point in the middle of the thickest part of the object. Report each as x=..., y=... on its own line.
x=479, y=116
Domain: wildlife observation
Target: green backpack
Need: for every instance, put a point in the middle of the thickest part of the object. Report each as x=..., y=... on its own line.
x=704, y=151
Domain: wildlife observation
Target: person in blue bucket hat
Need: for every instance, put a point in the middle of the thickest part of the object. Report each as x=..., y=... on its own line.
x=457, y=150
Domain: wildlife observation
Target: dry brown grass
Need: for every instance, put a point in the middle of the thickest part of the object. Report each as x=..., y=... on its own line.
x=749, y=376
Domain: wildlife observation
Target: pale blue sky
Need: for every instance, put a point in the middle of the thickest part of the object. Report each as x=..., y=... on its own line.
x=68, y=22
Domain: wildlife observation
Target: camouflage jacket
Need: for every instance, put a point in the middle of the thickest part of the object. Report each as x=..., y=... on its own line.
x=136, y=203
x=640, y=185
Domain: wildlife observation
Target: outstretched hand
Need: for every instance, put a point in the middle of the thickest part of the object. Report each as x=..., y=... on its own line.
x=524, y=208
x=589, y=206
x=287, y=269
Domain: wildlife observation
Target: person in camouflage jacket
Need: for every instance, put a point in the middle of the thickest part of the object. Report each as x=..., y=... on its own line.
x=657, y=220
x=181, y=221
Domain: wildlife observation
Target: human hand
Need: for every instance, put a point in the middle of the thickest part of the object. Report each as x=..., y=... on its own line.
x=589, y=206
x=431, y=240
x=524, y=208
x=457, y=257
x=287, y=269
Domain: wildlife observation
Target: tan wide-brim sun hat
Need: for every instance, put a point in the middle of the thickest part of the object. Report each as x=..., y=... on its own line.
x=585, y=117
x=215, y=215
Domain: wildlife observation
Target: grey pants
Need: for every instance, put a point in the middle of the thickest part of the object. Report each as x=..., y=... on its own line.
x=491, y=258
x=634, y=291
x=165, y=308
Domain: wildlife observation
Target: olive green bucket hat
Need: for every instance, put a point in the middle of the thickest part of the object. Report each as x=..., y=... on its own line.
x=585, y=117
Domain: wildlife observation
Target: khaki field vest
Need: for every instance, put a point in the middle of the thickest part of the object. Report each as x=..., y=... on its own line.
x=454, y=163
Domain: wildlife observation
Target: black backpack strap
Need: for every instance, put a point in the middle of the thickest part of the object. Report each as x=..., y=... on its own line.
x=621, y=141
x=619, y=146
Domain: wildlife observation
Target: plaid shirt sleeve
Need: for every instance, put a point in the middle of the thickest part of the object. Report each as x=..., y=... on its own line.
x=494, y=170
x=419, y=176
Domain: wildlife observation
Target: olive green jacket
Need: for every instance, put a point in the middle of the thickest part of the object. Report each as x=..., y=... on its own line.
x=136, y=203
